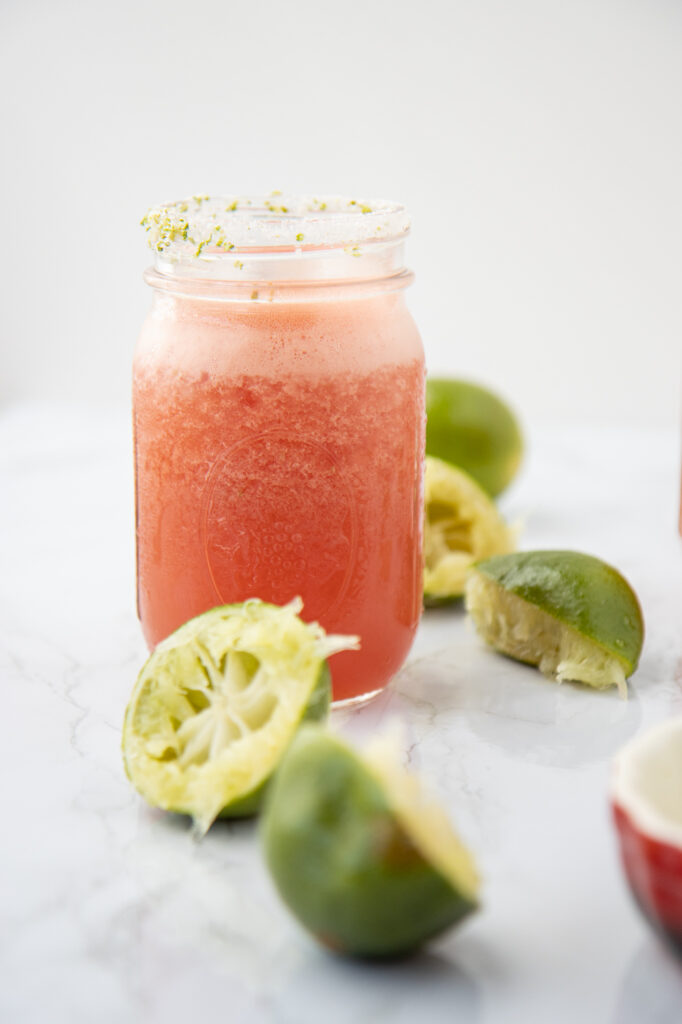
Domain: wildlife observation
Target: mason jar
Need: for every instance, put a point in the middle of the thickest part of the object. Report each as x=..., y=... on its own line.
x=278, y=400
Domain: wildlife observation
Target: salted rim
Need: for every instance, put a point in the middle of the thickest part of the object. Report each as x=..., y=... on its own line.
x=626, y=787
x=206, y=227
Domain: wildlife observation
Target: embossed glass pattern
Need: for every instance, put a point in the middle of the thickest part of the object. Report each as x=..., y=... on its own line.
x=279, y=433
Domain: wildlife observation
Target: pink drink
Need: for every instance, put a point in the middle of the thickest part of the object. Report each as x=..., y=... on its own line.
x=279, y=451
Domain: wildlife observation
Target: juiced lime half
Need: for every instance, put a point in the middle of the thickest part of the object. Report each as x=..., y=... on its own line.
x=571, y=614
x=461, y=525
x=473, y=428
x=360, y=856
x=217, y=704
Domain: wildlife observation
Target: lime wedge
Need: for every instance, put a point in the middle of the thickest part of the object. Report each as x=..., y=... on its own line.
x=473, y=428
x=219, y=701
x=461, y=525
x=572, y=615
x=365, y=862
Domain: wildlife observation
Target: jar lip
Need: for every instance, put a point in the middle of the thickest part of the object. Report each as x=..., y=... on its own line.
x=203, y=229
x=253, y=290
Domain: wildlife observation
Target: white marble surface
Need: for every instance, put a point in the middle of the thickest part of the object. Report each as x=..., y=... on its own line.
x=109, y=912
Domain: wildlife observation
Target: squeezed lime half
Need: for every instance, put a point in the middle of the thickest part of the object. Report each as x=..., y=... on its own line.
x=570, y=614
x=218, y=702
x=461, y=525
x=361, y=857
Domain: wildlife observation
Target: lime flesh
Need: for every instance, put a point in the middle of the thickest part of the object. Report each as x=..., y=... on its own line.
x=357, y=854
x=473, y=428
x=218, y=702
x=461, y=525
x=572, y=615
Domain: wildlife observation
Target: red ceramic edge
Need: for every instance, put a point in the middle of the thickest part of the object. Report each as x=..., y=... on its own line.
x=654, y=872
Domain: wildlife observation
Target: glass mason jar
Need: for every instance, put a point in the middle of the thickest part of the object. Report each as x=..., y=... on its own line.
x=279, y=420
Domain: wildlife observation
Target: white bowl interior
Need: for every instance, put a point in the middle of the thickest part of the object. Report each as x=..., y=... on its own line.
x=648, y=781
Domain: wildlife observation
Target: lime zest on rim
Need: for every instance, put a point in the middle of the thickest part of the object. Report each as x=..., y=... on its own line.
x=209, y=227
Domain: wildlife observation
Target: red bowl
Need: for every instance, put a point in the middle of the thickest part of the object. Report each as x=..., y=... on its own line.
x=646, y=799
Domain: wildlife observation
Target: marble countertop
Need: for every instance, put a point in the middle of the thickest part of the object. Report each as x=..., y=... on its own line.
x=110, y=912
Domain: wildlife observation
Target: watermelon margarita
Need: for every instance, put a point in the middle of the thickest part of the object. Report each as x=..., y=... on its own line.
x=279, y=448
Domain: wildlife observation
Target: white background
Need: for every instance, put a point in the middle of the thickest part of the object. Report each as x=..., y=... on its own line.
x=537, y=144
